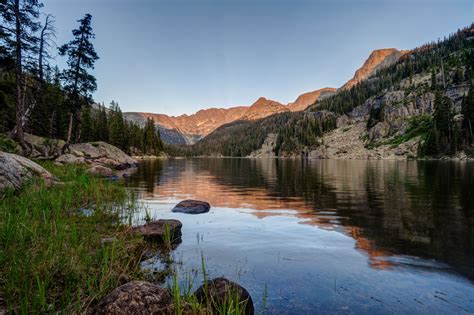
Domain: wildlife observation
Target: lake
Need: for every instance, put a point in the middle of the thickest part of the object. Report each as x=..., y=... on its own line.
x=323, y=236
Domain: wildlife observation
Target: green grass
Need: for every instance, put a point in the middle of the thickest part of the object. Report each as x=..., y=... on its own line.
x=186, y=302
x=52, y=258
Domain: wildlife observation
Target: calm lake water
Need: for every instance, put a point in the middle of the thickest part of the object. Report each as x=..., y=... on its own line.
x=324, y=236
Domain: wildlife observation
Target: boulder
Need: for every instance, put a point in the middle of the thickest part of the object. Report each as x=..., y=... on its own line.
x=100, y=149
x=221, y=291
x=15, y=170
x=156, y=230
x=379, y=131
x=136, y=297
x=99, y=170
x=70, y=159
x=43, y=147
x=192, y=207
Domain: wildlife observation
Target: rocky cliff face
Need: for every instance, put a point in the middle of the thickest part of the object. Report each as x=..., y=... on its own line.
x=378, y=59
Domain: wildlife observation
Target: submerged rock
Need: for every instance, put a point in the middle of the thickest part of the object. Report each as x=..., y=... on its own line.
x=192, y=207
x=221, y=291
x=136, y=297
x=156, y=231
x=15, y=170
x=122, y=166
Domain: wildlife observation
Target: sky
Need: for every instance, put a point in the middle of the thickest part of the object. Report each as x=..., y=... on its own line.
x=180, y=56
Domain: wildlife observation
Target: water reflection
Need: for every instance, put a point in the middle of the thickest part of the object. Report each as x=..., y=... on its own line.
x=422, y=209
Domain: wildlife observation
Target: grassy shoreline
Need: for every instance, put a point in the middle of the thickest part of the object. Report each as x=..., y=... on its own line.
x=53, y=257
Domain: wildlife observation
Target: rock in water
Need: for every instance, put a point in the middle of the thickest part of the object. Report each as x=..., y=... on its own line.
x=192, y=207
x=136, y=297
x=15, y=170
x=221, y=292
x=156, y=230
x=99, y=170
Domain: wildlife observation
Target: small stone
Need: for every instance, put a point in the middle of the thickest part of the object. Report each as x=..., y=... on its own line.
x=136, y=297
x=220, y=291
x=192, y=207
x=156, y=230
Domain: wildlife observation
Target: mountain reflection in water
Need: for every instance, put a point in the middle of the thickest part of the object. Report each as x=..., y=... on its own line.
x=392, y=209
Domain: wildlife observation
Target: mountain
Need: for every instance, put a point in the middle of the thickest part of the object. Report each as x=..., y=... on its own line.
x=306, y=99
x=262, y=108
x=378, y=59
x=188, y=129
x=398, y=105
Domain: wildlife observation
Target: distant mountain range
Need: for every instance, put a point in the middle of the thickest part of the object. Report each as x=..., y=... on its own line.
x=188, y=129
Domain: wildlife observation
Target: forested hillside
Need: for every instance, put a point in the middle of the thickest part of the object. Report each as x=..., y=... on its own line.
x=37, y=97
x=425, y=99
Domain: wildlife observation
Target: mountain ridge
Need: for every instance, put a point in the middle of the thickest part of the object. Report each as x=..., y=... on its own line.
x=188, y=129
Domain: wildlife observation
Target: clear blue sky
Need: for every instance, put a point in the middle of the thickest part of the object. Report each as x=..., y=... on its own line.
x=179, y=56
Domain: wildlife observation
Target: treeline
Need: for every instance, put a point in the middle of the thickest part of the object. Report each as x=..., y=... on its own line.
x=39, y=98
x=237, y=139
x=109, y=125
x=450, y=132
x=304, y=132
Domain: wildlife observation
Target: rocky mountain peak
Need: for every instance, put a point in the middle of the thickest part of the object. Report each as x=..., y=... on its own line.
x=379, y=58
x=309, y=98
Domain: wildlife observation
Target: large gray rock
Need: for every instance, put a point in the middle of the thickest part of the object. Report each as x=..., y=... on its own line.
x=70, y=159
x=43, y=147
x=96, y=150
x=99, y=153
x=221, y=292
x=192, y=207
x=15, y=170
x=136, y=297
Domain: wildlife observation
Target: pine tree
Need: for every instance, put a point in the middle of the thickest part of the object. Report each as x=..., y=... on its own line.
x=116, y=132
x=78, y=82
x=18, y=27
x=434, y=83
x=87, y=133
x=442, y=120
x=102, y=125
x=467, y=110
x=151, y=139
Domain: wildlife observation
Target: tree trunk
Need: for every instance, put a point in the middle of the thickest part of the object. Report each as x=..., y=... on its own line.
x=69, y=130
x=19, y=99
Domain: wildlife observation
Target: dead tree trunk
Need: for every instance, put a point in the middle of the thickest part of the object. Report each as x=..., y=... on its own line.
x=19, y=95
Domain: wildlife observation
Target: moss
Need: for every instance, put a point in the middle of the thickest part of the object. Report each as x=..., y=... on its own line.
x=8, y=145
